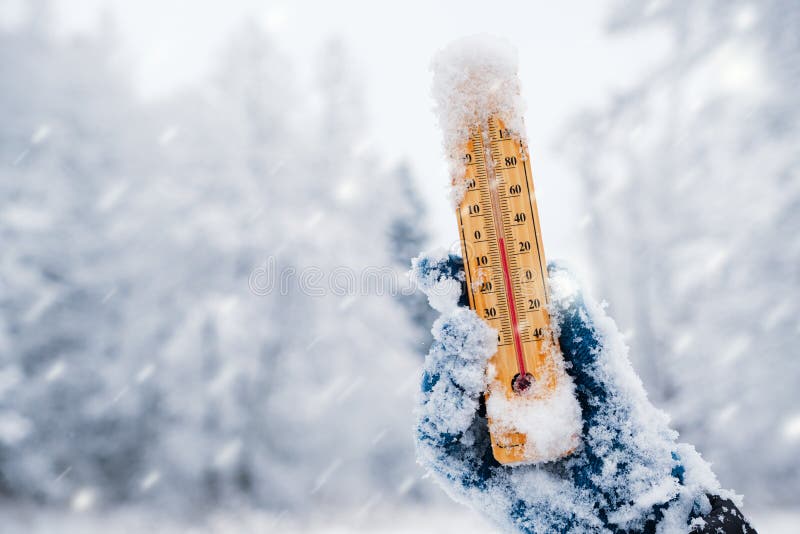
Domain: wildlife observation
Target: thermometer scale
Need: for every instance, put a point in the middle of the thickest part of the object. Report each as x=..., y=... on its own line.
x=506, y=275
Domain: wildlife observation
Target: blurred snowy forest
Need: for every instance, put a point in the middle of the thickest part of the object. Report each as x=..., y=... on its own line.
x=135, y=361
x=138, y=366
x=692, y=190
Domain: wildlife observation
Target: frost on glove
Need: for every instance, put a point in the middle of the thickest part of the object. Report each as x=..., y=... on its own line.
x=628, y=475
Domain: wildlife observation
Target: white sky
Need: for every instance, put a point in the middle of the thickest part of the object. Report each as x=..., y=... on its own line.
x=566, y=63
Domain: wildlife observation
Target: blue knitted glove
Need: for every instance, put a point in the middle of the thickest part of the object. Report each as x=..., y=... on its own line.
x=628, y=475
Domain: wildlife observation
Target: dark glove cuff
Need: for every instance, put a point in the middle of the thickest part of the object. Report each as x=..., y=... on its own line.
x=724, y=518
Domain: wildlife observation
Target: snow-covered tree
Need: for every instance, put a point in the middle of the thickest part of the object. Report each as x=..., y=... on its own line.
x=67, y=144
x=137, y=359
x=692, y=187
x=407, y=237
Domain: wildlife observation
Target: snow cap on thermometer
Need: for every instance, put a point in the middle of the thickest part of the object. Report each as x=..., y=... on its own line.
x=475, y=78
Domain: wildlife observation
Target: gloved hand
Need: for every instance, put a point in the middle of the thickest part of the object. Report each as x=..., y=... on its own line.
x=628, y=475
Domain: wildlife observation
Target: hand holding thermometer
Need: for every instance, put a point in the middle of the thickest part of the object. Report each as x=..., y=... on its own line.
x=504, y=261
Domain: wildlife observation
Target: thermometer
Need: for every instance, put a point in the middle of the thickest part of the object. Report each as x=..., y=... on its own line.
x=506, y=275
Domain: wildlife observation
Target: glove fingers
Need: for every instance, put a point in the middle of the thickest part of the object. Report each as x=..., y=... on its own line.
x=450, y=438
x=441, y=277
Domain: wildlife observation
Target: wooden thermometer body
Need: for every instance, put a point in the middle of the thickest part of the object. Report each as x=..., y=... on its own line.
x=506, y=276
